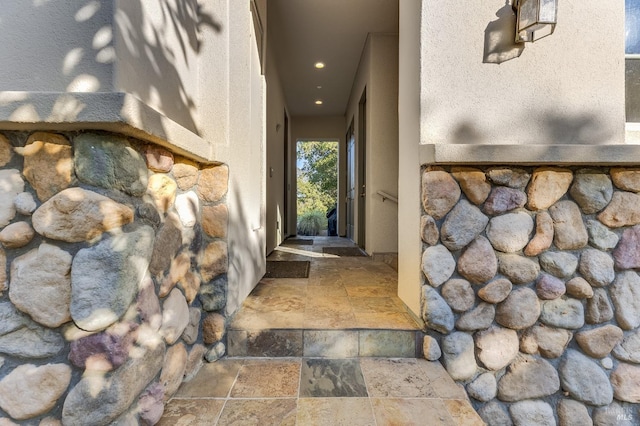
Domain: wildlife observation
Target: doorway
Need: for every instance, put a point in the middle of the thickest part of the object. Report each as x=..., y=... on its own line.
x=287, y=183
x=317, y=184
x=361, y=168
x=351, y=183
x=356, y=184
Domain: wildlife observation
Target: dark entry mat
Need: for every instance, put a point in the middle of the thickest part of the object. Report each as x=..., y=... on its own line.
x=344, y=251
x=299, y=241
x=287, y=269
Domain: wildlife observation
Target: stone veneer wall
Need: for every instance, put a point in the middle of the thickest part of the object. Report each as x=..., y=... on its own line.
x=531, y=293
x=113, y=276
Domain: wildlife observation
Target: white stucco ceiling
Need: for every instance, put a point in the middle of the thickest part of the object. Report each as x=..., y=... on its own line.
x=331, y=31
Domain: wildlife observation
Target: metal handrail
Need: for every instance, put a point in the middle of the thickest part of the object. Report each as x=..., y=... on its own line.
x=386, y=196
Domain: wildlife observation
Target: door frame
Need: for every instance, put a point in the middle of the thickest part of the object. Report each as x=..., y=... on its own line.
x=287, y=179
x=351, y=184
x=361, y=170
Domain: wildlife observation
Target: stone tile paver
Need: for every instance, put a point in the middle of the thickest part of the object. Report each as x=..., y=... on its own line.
x=242, y=412
x=212, y=381
x=271, y=378
x=335, y=411
x=396, y=378
x=411, y=412
x=192, y=412
x=356, y=391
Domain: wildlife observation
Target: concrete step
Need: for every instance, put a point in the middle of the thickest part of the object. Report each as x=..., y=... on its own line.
x=348, y=343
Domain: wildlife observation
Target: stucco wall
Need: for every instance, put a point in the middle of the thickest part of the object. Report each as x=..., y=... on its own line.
x=382, y=149
x=329, y=128
x=409, y=244
x=157, y=44
x=275, y=133
x=65, y=46
x=246, y=148
x=378, y=74
x=149, y=49
x=567, y=88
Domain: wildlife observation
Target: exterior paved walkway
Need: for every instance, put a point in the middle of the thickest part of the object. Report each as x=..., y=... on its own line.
x=321, y=391
x=336, y=348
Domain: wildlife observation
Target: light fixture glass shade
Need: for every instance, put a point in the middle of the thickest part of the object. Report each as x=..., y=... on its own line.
x=535, y=19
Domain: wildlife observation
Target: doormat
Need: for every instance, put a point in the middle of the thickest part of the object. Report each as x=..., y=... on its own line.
x=299, y=241
x=344, y=251
x=287, y=269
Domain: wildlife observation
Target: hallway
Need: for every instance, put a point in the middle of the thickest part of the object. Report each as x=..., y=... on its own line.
x=337, y=347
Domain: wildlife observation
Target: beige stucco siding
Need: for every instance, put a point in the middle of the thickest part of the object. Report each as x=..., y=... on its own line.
x=378, y=75
x=567, y=88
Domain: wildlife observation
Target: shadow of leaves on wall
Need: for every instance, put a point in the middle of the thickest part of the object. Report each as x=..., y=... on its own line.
x=164, y=50
x=467, y=133
x=576, y=129
x=156, y=44
x=555, y=128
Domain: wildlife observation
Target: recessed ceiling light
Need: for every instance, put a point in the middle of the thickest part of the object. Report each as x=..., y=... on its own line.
x=319, y=65
x=319, y=102
x=318, y=87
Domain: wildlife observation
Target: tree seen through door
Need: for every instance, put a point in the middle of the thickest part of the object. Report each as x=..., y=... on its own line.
x=317, y=181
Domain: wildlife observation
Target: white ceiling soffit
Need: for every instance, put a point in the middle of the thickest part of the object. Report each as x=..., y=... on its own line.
x=332, y=31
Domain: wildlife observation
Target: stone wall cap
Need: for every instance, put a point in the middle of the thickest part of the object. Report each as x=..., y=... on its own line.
x=595, y=155
x=111, y=111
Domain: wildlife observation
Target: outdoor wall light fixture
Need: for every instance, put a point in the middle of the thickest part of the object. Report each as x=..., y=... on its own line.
x=535, y=19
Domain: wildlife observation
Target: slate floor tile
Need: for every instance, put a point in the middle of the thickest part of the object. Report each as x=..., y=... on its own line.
x=371, y=290
x=386, y=320
x=411, y=412
x=375, y=305
x=191, y=412
x=331, y=343
x=396, y=378
x=335, y=411
x=272, y=378
x=212, y=381
x=463, y=413
x=440, y=380
x=332, y=378
x=274, y=343
x=259, y=412
x=387, y=343
x=328, y=290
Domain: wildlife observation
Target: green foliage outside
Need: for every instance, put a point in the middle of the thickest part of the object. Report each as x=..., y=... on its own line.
x=317, y=184
x=311, y=223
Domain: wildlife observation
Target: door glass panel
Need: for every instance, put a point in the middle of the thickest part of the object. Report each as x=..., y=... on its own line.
x=351, y=183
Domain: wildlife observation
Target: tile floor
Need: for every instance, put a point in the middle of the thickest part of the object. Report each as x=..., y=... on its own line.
x=340, y=293
x=294, y=316
x=321, y=391
x=336, y=348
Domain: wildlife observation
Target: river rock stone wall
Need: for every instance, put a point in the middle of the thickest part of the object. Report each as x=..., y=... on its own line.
x=531, y=292
x=113, y=266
